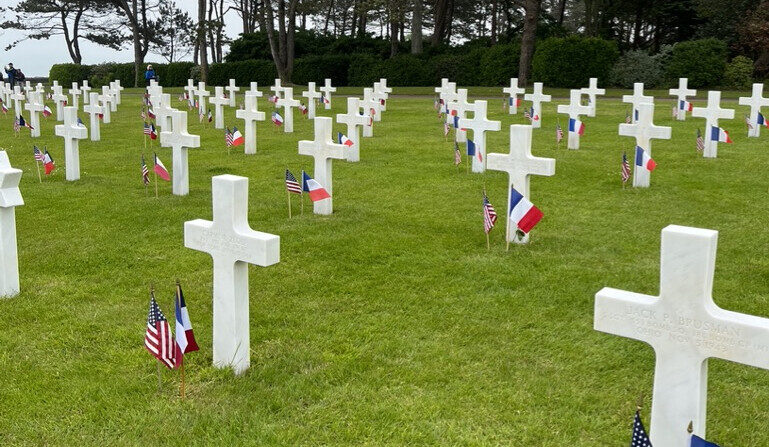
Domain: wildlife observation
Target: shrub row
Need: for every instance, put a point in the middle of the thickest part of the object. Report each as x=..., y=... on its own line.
x=558, y=62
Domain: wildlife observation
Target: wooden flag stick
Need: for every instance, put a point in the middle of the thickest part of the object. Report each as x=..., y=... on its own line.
x=488, y=244
x=37, y=164
x=181, y=371
x=156, y=182
x=288, y=194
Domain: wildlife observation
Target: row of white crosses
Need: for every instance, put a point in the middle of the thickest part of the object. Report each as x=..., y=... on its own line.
x=685, y=328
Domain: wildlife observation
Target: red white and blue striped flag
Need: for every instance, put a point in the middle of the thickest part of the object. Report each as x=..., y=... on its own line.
x=489, y=215
x=185, y=338
x=158, y=338
x=292, y=184
x=625, y=168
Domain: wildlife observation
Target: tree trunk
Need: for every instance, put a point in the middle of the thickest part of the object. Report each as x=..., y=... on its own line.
x=494, y=22
x=440, y=14
x=416, y=28
x=561, y=11
x=527, y=39
x=393, y=34
x=202, y=40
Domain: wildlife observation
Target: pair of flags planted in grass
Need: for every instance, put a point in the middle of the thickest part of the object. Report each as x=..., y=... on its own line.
x=158, y=338
x=150, y=131
x=523, y=213
x=159, y=169
x=640, y=438
x=45, y=159
x=312, y=187
x=642, y=159
x=21, y=122
x=233, y=138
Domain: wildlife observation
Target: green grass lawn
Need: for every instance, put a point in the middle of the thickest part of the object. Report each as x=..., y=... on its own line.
x=389, y=322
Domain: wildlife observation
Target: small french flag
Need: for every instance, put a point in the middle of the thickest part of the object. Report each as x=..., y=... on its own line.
x=161, y=170
x=470, y=148
x=522, y=212
x=761, y=120
x=456, y=122
x=277, y=119
x=576, y=126
x=685, y=105
x=47, y=111
x=643, y=159
x=237, y=137
x=718, y=134
x=342, y=139
x=313, y=188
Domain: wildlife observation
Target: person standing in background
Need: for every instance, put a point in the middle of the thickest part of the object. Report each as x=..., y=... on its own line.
x=11, y=72
x=149, y=75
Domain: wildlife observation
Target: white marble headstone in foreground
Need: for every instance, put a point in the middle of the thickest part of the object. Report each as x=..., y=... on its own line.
x=685, y=328
x=10, y=198
x=233, y=245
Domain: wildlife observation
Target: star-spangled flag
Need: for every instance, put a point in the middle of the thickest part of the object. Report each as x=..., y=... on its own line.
x=627, y=117
x=292, y=184
x=38, y=155
x=145, y=172
x=47, y=111
x=342, y=139
x=48, y=163
x=185, y=337
x=489, y=215
x=16, y=125
x=625, y=168
x=303, y=109
x=748, y=123
x=640, y=438
x=158, y=338
x=446, y=129
x=26, y=123
x=227, y=137
x=161, y=170
x=146, y=129
x=314, y=189
x=558, y=133
x=457, y=154
x=700, y=141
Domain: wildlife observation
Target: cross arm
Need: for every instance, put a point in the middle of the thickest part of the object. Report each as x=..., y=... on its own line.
x=627, y=314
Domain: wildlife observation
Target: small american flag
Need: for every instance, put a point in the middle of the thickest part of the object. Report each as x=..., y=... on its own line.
x=628, y=120
x=38, y=155
x=700, y=141
x=147, y=130
x=143, y=115
x=292, y=185
x=625, y=168
x=675, y=111
x=436, y=105
x=16, y=125
x=640, y=438
x=228, y=137
x=489, y=215
x=748, y=123
x=527, y=114
x=558, y=133
x=446, y=129
x=210, y=116
x=158, y=338
x=145, y=172
x=457, y=154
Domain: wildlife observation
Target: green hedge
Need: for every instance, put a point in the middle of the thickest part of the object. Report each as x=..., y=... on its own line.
x=702, y=61
x=261, y=71
x=572, y=61
x=317, y=68
x=171, y=75
x=66, y=74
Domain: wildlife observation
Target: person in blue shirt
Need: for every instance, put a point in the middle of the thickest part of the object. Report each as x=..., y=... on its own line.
x=11, y=72
x=149, y=75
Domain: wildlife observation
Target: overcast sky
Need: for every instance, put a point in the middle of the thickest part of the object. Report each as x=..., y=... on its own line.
x=35, y=57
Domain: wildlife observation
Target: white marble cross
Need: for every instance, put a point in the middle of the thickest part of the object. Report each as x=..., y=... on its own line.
x=17, y=98
x=327, y=90
x=288, y=102
x=384, y=90
x=372, y=102
x=109, y=98
x=94, y=110
x=637, y=98
x=519, y=165
x=232, y=91
x=190, y=89
x=512, y=92
x=250, y=114
x=537, y=98
x=447, y=91
x=219, y=100
x=712, y=113
x=592, y=92
x=163, y=111
x=461, y=106
x=85, y=89
x=370, y=107
x=72, y=132
x=10, y=198
x=479, y=124
x=574, y=110
x=105, y=99
x=155, y=92
x=644, y=131
x=381, y=96
x=681, y=93
x=35, y=105
x=201, y=93
x=756, y=101
x=685, y=328
x=323, y=150
x=28, y=87
x=233, y=245
x=277, y=89
x=255, y=90
x=354, y=121
x=117, y=90
x=311, y=94
x=179, y=141
x=75, y=92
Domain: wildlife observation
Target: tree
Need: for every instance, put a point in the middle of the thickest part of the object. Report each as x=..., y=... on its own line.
x=201, y=40
x=530, y=20
x=137, y=16
x=215, y=28
x=175, y=33
x=246, y=9
x=74, y=19
x=416, y=28
x=443, y=12
x=282, y=41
